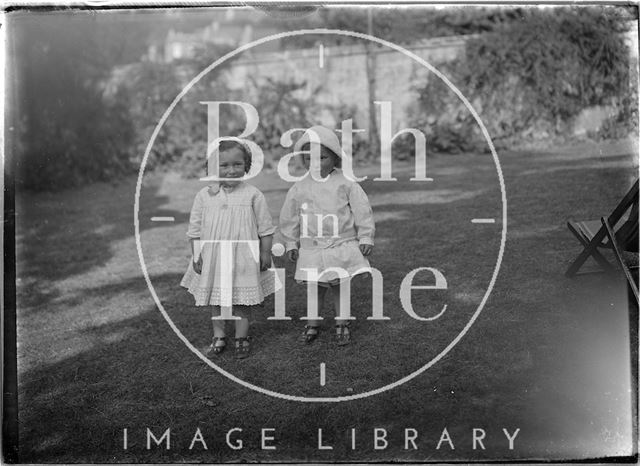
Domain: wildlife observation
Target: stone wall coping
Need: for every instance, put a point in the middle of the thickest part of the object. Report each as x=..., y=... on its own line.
x=348, y=50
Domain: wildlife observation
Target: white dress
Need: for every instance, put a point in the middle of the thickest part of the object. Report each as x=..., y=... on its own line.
x=327, y=221
x=238, y=214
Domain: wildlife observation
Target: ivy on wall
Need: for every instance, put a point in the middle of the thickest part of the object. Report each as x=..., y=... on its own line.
x=530, y=77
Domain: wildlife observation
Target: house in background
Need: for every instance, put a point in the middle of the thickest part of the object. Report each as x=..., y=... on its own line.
x=231, y=28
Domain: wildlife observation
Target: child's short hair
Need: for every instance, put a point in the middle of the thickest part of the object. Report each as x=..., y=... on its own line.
x=337, y=159
x=228, y=145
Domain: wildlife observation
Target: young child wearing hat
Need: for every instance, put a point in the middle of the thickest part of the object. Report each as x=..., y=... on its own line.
x=327, y=223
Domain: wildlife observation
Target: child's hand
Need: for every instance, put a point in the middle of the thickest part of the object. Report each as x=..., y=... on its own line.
x=265, y=260
x=197, y=266
x=292, y=255
x=366, y=249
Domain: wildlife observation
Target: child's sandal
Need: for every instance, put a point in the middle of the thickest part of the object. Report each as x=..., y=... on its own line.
x=343, y=335
x=310, y=334
x=243, y=347
x=214, y=347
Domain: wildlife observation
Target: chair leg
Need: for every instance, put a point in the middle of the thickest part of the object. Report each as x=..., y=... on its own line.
x=582, y=258
x=618, y=254
x=590, y=249
x=633, y=340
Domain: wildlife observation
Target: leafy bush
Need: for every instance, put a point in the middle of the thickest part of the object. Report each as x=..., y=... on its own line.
x=146, y=89
x=625, y=122
x=281, y=106
x=529, y=78
x=181, y=143
x=67, y=134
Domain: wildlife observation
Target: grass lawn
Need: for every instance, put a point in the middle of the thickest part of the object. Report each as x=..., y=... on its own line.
x=547, y=355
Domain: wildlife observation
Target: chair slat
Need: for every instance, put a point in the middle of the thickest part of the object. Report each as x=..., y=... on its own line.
x=592, y=234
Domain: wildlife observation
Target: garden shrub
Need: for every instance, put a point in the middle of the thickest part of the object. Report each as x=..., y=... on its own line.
x=146, y=89
x=281, y=105
x=529, y=78
x=80, y=116
x=622, y=124
x=182, y=140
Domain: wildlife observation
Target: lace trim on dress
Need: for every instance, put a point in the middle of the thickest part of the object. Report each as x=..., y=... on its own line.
x=240, y=296
x=246, y=296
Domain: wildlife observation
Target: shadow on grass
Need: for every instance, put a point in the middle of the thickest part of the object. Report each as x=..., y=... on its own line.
x=136, y=374
x=76, y=227
x=68, y=233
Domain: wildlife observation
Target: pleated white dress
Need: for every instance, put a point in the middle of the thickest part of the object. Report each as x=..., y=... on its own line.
x=238, y=214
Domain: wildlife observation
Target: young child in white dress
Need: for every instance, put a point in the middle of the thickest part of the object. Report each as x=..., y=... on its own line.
x=326, y=224
x=230, y=210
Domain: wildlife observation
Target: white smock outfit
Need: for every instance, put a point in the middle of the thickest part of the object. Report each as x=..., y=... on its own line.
x=327, y=221
x=240, y=214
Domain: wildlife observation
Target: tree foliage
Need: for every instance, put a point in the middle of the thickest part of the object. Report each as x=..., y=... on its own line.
x=66, y=132
x=565, y=59
x=530, y=77
x=402, y=25
x=70, y=124
x=181, y=142
x=147, y=89
x=83, y=103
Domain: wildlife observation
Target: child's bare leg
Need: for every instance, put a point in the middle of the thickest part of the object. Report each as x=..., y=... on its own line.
x=322, y=291
x=218, y=343
x=242, y=331
x=218, y=326
x=342, y=329
x=242, y=327
x=242, y=324
x=336, y=291
x=311, y=328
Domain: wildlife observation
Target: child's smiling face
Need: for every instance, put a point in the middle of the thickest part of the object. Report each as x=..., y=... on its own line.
x=328, y=160
x=232, y=165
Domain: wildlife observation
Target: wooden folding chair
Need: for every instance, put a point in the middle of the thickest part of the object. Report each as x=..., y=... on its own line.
x=593, y=234
x=618, y=250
